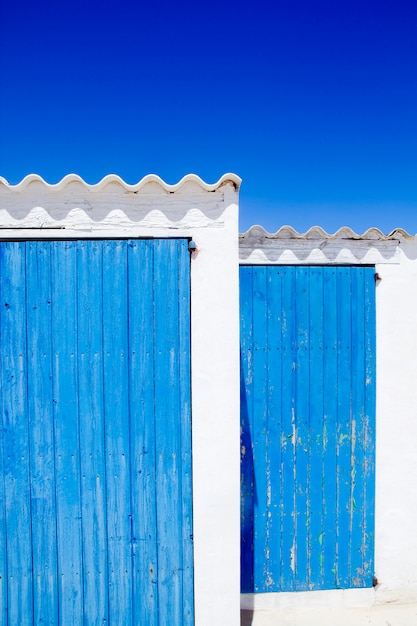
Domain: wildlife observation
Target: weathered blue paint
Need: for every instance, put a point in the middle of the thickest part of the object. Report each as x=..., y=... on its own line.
x=41, y=429
x=141, y=383
x=16, y=458
x=95, y=474
x=92, y=431
x=308, y=431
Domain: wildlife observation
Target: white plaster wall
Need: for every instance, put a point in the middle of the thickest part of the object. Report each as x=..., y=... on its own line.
x=216, y=422
x=396, y=441
x=396, y=425
x=208, y=214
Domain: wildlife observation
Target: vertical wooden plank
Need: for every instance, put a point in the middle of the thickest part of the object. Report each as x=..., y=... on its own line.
x=369, y=428
x=67, y=457
x=316, y=402
x=184, y=381
x=91, y=415
x=330, y=382
x=167, y=433
x=302, y=375
x=247, y=474
x=142, y=437
x=274, y=307
x=288, y=433
x=260, y=430
x=15, y=433
x=3, y=503
x=116, y=407
x=343, y=433
x=41, y=432
x=358, y=422
x=3, y=537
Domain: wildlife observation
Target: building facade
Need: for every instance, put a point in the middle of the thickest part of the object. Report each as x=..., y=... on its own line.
x=121, y=311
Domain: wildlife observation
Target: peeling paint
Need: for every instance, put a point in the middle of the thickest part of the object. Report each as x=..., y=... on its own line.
x=292, y=557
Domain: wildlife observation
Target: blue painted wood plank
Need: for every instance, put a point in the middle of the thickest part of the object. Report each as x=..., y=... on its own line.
x=15, y=433
x=343, y=432
x=274, y=316
x=289, y=432
x=167, y=433
x=358, y=449
x=260, y=431
x=330, y=383
x=247, y=475
x=3, y=540
x=116, y=407
x=141, y=403
x=3, y=502
x=92, y=429
x=184, y=381
x=316, y=402
x=369, y=428
x=41, y=432
x=66, y=425
x=302, y=392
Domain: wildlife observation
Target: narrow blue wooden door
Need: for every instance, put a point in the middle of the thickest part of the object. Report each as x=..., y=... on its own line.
x=95, y=453
x=308, y=431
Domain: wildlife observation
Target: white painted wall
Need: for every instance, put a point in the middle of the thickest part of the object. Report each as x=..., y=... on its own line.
x=208, y=214
x=395, y=259
x=396, y=443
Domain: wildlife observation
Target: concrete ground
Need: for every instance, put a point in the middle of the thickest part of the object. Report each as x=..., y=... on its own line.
x=381, y=615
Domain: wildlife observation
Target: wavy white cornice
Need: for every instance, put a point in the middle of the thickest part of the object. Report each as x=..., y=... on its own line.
x=287, y=246
x=316, y=232
x=113, y=178
x=112, y=207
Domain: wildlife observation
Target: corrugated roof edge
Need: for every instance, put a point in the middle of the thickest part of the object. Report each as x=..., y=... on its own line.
x=316, y=232
x=114, y=178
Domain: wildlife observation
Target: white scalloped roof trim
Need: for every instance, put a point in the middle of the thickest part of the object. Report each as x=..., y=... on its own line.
x=316, y=232
x=113, y=178
x=112, y=207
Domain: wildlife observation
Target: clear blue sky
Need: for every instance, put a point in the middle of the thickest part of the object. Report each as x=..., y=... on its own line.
x=313, y=104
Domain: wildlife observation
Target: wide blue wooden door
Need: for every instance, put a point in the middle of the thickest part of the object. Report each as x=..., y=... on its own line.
x=308, y=427
x=95, y=451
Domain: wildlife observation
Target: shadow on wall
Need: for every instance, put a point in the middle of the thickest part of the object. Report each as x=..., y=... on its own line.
x=247, y=482
x=247, y=491
x=246, y=618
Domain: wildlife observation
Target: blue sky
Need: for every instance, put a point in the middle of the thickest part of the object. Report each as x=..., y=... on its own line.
x=313, y=104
